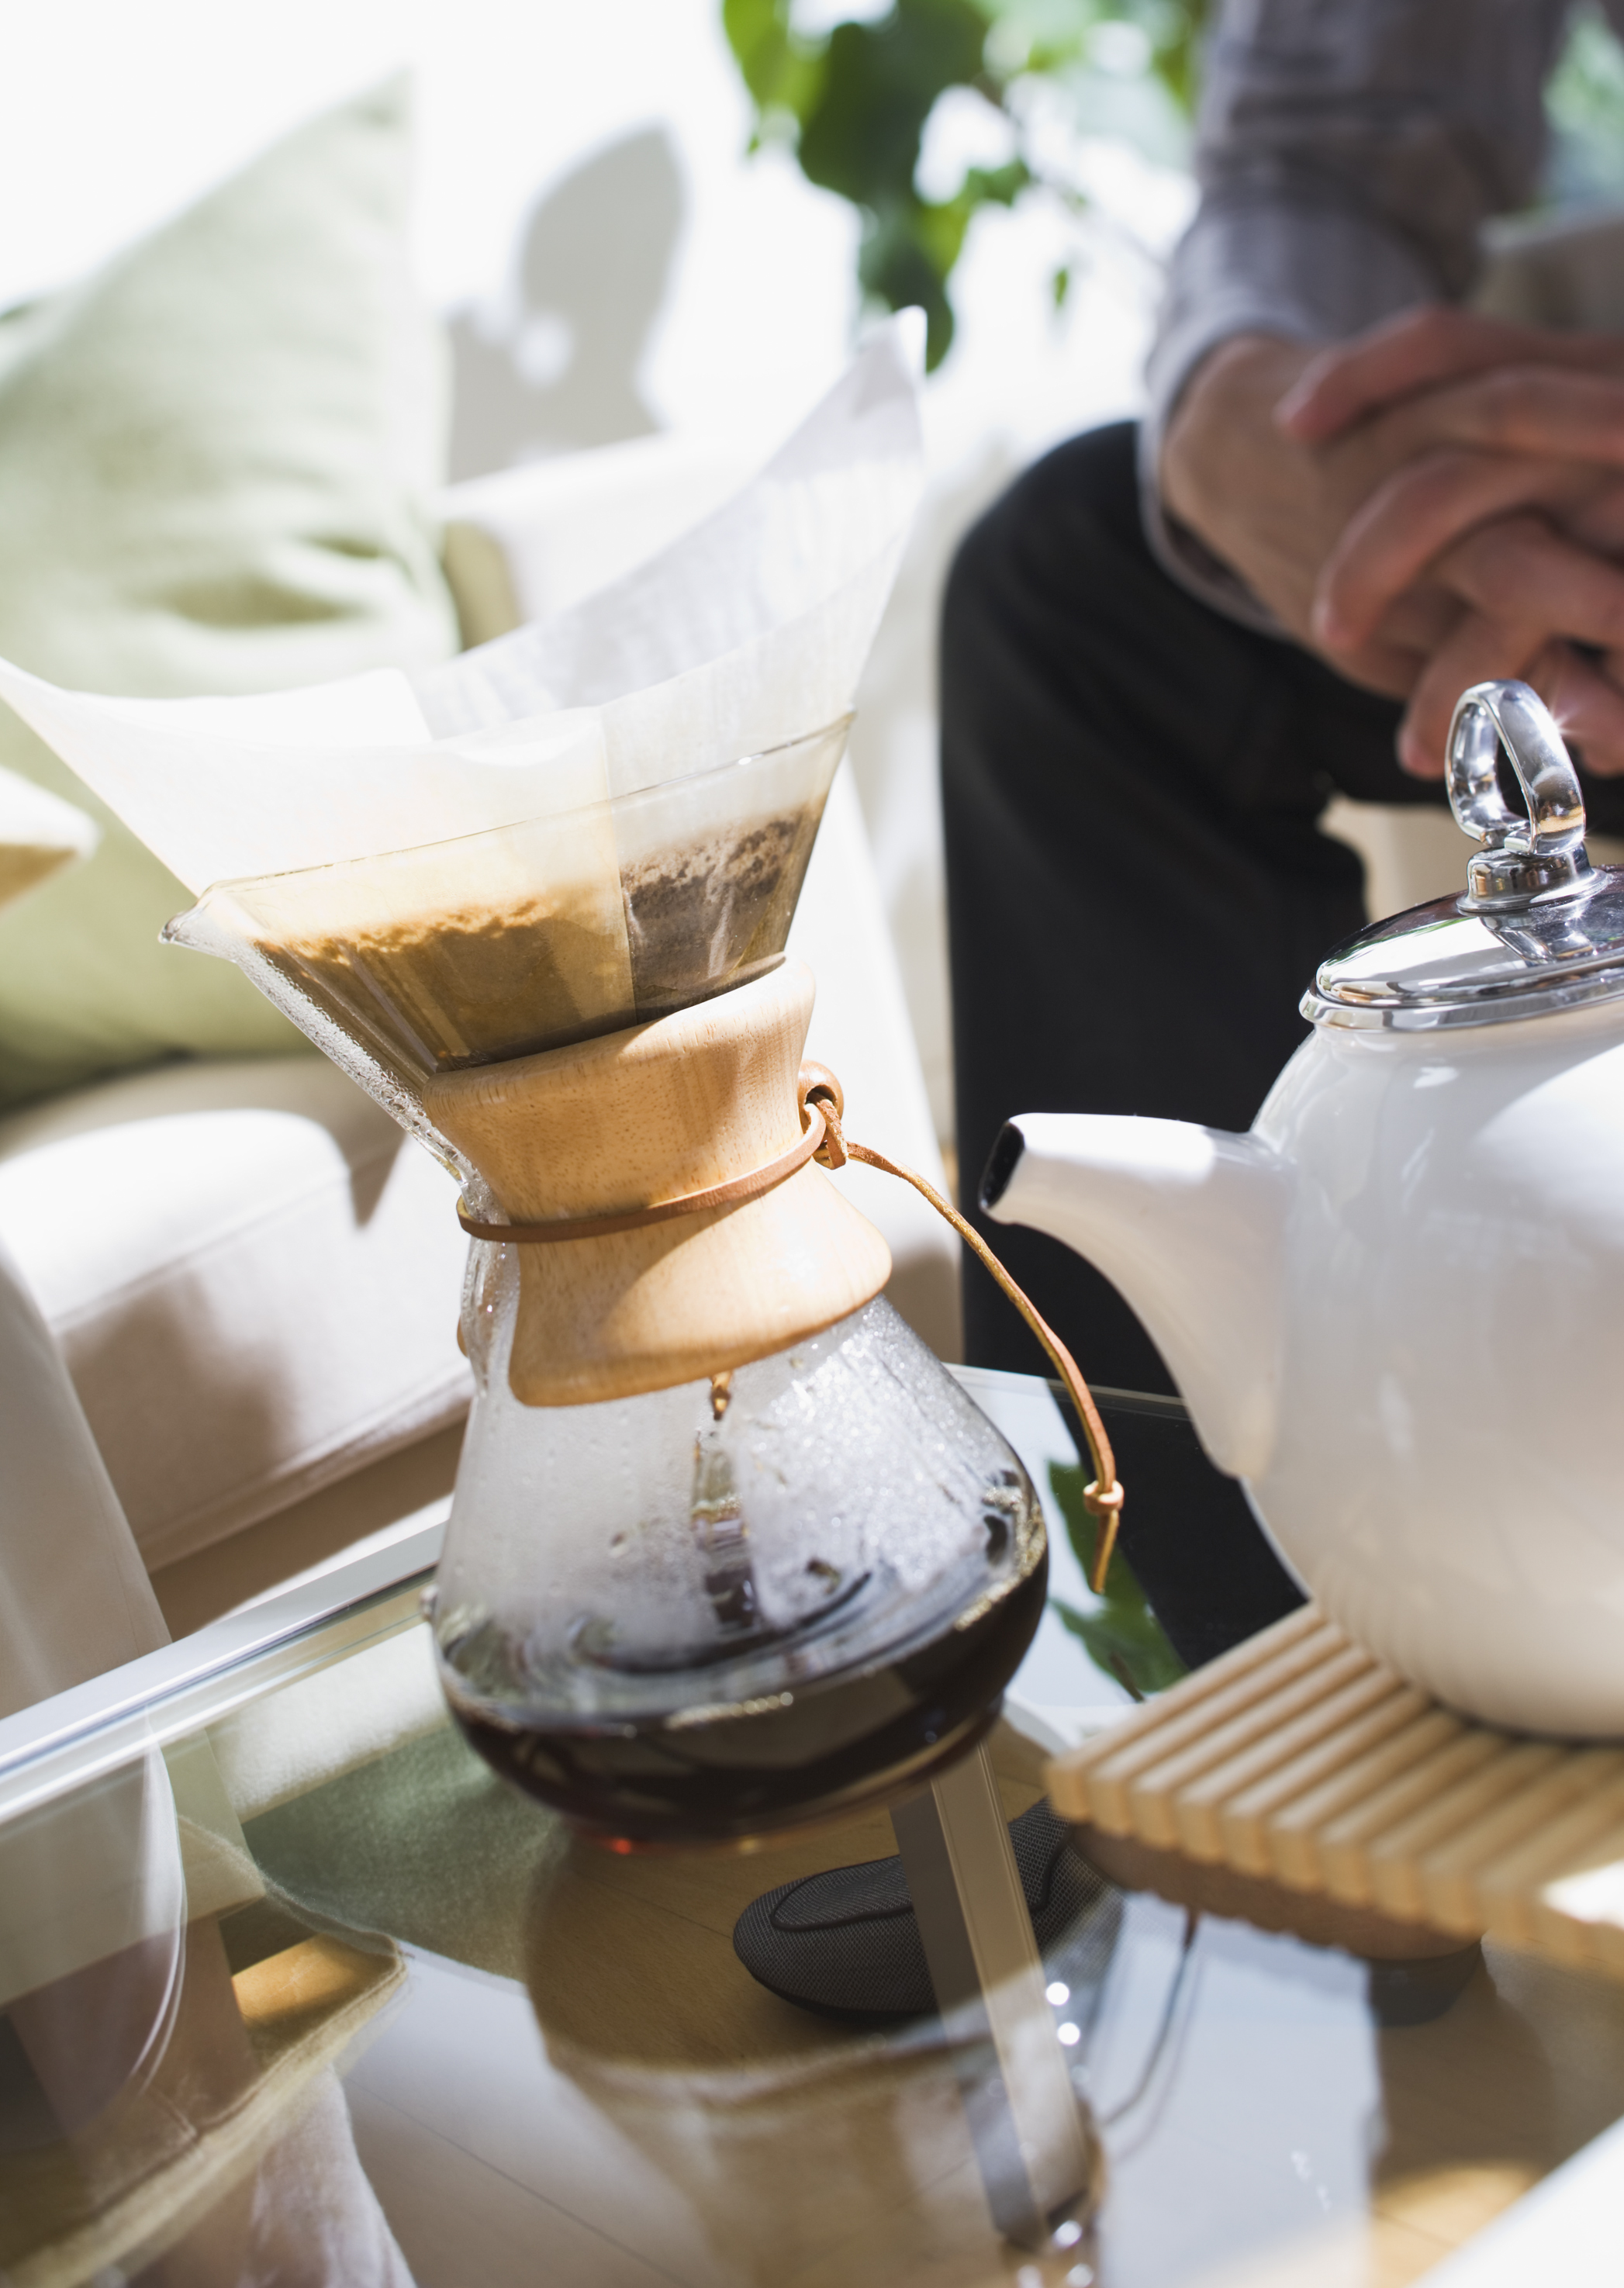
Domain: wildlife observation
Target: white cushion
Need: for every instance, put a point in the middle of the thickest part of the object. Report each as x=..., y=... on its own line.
x=254, y=1276
x=215, y=463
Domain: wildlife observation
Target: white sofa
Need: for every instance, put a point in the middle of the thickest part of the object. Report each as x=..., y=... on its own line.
x=254, y=1276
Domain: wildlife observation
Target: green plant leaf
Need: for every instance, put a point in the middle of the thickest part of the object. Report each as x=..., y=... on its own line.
x=1121, y=1635
x=880, y=82
x=903, y=262
x=856, y=104
x=782, y=72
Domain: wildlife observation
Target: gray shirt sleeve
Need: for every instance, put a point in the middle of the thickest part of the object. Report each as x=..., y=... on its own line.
x=1347, y=152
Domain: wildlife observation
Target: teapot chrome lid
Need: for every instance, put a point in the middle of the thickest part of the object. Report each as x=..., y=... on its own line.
x=1537, y=929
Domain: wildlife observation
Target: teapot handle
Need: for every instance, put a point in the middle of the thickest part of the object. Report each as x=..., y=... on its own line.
x=1543, y=854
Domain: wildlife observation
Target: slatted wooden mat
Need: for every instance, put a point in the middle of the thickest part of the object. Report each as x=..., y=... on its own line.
x=1299, y=1761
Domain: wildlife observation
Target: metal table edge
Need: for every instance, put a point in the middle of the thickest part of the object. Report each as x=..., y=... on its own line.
x=52, y=1729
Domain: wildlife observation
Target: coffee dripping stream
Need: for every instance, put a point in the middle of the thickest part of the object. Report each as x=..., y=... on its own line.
x=730, y=1552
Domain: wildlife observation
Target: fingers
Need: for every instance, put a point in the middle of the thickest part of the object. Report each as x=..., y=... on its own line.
x=1589, y=707
x=1390, y=668
x=1415, y=351
x=1597, y=521
x=1521, y=574
x=1476, y=651
x=1422, y=617
x=1393, y=662
x=1523, y=408
x=1587, y=704
x=1414, y=516
x=1420, y=350
x=1529, y=592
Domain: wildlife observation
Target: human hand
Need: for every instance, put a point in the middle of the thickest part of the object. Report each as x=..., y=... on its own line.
x=1427, y=507
x=1269, y=504
x=1526, y=590
x=1510, y=503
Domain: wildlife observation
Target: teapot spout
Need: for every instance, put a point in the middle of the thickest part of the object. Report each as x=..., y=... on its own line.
x=1188, y=1223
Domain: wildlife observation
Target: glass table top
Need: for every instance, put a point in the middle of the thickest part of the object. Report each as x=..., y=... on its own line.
x=296, y=1991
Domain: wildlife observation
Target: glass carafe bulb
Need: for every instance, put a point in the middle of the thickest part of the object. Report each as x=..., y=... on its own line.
x=710, y=1612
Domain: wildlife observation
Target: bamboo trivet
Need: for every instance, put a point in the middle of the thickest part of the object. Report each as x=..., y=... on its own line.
x=1299, y=1782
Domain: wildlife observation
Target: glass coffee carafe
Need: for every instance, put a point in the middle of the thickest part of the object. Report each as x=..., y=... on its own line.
x=730, y=1552
x=675, y=1619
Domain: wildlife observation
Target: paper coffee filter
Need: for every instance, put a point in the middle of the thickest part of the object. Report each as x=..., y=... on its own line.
x=455, y=953
x=220, y=789
x=787, y=681
x=748, y=632
x=752, y=628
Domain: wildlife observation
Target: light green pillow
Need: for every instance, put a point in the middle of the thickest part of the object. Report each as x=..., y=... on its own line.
x=215, y=462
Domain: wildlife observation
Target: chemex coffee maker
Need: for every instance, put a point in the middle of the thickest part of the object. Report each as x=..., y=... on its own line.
x=730, y=1550
x=730, y=1553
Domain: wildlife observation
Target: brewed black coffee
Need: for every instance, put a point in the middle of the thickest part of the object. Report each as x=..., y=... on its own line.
x=720, y=1771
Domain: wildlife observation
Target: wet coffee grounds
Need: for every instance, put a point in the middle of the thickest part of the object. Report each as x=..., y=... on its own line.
x=472, y=983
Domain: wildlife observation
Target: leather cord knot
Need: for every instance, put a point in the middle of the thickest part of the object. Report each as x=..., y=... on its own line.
x=822, y=1097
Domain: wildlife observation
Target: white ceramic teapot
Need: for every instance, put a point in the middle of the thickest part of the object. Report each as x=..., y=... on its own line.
x=1395, y=1308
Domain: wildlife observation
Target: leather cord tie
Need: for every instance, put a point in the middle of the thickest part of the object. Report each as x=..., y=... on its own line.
x=730, y=1195
x=823, y=1139
x=1102, y=1497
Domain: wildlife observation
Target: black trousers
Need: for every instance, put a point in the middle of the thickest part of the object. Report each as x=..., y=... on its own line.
x=1138, y=890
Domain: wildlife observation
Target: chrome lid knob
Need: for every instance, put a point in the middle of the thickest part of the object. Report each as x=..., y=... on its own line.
x=1539, y=856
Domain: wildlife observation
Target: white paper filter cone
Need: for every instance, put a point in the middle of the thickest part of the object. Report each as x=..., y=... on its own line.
x=748, y=632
